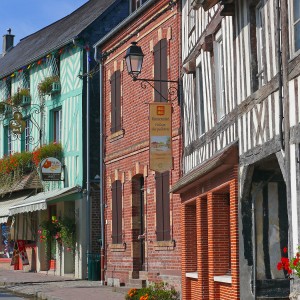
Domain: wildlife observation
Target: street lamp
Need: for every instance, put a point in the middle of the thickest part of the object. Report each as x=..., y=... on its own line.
x=134, y=62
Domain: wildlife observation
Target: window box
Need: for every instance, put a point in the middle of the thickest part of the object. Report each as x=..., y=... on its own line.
x=21, y=98
x=49, y=85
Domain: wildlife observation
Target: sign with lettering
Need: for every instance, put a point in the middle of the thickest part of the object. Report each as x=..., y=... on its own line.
x=160, y=137
x=50, y=169
x=17, y=124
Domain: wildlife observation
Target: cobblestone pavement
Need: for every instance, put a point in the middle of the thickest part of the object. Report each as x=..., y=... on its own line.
x=43, y=286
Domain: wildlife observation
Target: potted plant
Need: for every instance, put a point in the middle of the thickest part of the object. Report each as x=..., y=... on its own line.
x=22, y=97
x=49, y=85
x=68, y=233
x=51, y=150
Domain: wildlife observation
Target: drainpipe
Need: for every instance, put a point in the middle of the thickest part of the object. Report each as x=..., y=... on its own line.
x=280, y=85
x=101, y=169
x=254, y=245
x=87, y=152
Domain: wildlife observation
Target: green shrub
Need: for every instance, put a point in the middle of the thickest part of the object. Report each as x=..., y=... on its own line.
x=157, y=291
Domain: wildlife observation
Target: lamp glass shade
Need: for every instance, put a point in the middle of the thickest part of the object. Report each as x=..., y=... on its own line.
x=134, y=60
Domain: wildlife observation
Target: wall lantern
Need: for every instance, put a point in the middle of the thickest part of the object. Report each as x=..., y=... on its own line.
x=134, y=62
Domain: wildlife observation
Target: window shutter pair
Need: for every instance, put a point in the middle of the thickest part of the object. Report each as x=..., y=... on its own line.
x=116, y=102
x=117, y=212
x=162, y=207
x=161, y=70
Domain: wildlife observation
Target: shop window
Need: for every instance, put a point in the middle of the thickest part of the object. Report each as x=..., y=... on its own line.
x=161, y=70
x=7, y=244
x=219, y=77
x=115, y=102
x=162, y=207
x=117, y=212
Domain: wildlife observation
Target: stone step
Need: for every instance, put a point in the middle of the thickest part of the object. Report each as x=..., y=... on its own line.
x=136, y=283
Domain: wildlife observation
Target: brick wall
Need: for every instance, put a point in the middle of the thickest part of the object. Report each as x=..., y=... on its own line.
x=127, y=153
x=216, y=239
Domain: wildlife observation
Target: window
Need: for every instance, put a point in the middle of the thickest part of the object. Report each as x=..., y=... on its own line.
x=219, y=75
x=115, y=102
x=260, y=47
x=135, y=4
x=25, y=146
x=191, y=18
x=8, y=144
x=199, y=101
x=162, y=207
x=57, y=125
x=117, y=212
x=161, y=71
x=295, y=16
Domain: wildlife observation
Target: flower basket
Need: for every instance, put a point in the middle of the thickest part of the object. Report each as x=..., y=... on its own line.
x=21, y=98
x=49, y=85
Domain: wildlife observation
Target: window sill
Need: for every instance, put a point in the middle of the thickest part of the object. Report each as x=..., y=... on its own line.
x=118, y=247
x=117, y=135
x=193, y=275
x=164, y=245
x=223, y=278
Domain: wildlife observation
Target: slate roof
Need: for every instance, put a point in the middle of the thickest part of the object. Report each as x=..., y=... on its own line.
x=52, y=37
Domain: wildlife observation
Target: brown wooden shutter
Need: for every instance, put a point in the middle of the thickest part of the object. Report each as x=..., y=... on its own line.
x=113, y=102
x=117, y=212
x=116, y=101
x=166, y=206
x=161, y=70
x=162, y=207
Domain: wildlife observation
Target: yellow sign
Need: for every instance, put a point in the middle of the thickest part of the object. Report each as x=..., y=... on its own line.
x=160, y=137
x=17, y=124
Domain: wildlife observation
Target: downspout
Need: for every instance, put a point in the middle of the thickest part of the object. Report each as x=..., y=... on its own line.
x=280, y=85
x=87, y=152
x=101, y=167
x=254, y=245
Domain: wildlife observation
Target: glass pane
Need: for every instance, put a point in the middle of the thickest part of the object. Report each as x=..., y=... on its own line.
x=297, y=36
x=296, y=10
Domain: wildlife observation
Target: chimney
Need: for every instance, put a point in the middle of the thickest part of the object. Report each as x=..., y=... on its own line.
x=8, y=42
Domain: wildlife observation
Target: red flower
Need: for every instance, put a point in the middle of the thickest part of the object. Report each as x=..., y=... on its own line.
x=289, y=271
x=279, y=266
x=285, y=249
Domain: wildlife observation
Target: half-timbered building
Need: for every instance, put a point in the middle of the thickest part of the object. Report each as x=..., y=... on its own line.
x=240, y=183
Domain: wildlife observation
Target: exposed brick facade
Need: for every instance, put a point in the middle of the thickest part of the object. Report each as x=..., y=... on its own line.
x=210, y=239
x=127, y=154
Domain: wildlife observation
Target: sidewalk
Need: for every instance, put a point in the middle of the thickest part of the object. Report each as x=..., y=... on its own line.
x=51, y=287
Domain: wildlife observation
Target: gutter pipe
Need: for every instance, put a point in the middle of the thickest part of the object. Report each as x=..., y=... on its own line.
x=88, y=153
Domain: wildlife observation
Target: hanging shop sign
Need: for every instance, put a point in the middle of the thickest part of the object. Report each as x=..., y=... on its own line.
x=17, y=124
x=51, y=169
x=160, y=137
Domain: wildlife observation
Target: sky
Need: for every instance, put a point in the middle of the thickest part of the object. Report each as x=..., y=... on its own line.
x=25, y=17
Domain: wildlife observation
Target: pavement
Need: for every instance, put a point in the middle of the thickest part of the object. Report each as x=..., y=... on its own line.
x=50, y=287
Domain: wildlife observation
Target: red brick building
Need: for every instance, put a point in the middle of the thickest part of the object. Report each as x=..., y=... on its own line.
x=142, y=219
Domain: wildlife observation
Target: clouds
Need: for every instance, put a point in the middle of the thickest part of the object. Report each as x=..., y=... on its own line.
x=27, y=17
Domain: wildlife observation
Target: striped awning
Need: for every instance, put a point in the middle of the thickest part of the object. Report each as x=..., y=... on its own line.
x=6, y=204
x=39, y=201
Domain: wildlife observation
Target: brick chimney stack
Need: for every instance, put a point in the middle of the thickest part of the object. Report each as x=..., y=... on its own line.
x=8, y=42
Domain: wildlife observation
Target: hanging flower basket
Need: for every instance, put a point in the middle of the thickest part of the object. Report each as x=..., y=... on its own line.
x=49, y=85
x=21, y=98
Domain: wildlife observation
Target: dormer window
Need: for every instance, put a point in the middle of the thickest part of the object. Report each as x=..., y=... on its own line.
x=135, y=4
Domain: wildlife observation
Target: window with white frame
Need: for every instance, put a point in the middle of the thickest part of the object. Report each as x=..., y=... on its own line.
x=219, y=77
x=260, y=48
x=57, y=125
x=295, y=17
x=8, y=145
x=199, y=101
x=27, y=135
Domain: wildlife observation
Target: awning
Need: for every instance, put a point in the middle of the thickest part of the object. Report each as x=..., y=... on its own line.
x=39, y=201
x=221, y=161
x=6, y=204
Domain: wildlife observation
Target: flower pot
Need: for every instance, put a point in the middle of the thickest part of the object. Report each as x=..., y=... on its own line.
x=25, y=101
x=52, y=264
